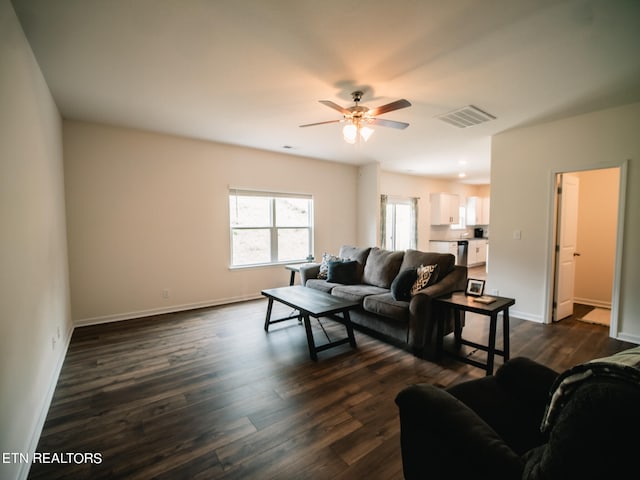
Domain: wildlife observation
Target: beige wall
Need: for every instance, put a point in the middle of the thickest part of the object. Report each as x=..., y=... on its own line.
x=34, y=291
x=597, y=223
x=148, y=212
x=524, y=163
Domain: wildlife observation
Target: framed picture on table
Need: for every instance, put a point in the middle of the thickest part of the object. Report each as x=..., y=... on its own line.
x=475, y=288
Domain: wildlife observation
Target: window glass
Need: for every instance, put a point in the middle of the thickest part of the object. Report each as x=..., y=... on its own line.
x=292, y=212
x=269, y=228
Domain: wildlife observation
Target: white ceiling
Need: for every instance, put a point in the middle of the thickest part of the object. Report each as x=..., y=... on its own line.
x=249, y=72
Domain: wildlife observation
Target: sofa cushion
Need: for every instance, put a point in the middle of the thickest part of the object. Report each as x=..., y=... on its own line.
x=360, y=255
x=324, y=266
x=385, y=305
x=401, y=285
x=356, y=293
x=426, y=275
x=343, y=272
x=382, y=267
x=415, y=258
x=322, y=285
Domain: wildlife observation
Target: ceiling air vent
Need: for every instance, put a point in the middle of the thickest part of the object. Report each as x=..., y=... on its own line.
x=466, y=117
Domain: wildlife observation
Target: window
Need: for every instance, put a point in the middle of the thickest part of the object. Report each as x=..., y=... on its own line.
x=399, y=223
x=268, y=228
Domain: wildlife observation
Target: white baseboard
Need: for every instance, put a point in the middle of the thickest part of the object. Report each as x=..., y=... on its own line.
x=626, y=337
x=592, y=302
x=117, y=317
x=525, y=316
x=23, y=472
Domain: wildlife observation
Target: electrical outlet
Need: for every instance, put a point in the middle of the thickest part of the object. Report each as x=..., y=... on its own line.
x=165, y=293
x=495, y=292
x=53, y=343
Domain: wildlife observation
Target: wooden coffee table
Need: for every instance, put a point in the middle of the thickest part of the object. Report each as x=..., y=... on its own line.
x=312, y=303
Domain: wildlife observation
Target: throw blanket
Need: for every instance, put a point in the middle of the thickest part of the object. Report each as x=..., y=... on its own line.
x=624, y=365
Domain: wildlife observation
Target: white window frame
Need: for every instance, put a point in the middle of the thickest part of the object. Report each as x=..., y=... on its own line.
x=271, y=227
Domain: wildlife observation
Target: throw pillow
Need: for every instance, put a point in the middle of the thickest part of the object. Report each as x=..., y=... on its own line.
x=343, y=272
x=324, y=266
x=427, y=275
x=401, y=285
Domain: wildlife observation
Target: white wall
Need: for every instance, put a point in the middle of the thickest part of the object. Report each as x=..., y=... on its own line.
x=34, y=289
x=148, y=212
x=368, y=188
x=524, y=162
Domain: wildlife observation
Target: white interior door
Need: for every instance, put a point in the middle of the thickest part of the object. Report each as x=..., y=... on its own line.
x=566, y=245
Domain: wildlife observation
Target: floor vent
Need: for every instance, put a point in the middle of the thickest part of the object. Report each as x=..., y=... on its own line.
x=466, y=117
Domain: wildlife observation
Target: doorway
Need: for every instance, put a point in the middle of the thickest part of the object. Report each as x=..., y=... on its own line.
x=587, y=233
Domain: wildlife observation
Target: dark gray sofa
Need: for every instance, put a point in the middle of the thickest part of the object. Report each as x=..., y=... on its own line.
x=407, y=324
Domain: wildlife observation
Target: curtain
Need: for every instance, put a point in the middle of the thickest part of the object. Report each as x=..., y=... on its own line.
x=414, y=222
x=383, y=220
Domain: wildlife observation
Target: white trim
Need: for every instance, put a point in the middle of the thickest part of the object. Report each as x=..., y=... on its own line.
x=626, y=337
x=593, y=303
x=551, y=234
x=117, y=317
x=614, y=325
x=34, y=438
x=520, y=315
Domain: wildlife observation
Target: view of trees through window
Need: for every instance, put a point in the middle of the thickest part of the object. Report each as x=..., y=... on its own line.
x=269, y=228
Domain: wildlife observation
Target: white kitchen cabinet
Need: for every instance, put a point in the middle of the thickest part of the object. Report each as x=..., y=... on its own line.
x=477, y=210
x=477, y=253
x=445, y=209
x=444, y=247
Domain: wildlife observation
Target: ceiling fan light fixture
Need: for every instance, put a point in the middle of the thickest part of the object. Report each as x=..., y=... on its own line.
x=350, y=133
x=358, y=118
x=366, y=132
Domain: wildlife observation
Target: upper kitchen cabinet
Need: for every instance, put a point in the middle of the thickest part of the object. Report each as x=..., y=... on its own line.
x=478, y=211
x=445, y=209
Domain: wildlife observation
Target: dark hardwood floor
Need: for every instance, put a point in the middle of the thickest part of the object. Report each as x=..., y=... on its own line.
x=207, y=394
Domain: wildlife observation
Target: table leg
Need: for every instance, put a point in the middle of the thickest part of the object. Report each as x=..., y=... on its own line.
x=492, y=343
x=439, y=339
x=311, y=344
x=347, y=323
x=505, y=333
x=268, y=319
x=457, y=328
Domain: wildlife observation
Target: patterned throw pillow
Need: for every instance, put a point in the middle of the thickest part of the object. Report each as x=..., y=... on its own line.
x=324, y=266
x=427, y=275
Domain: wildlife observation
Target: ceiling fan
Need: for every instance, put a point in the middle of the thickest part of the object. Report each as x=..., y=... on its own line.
x=358, y=118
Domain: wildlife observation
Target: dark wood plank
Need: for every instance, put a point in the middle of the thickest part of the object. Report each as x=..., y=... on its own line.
x=209, y=394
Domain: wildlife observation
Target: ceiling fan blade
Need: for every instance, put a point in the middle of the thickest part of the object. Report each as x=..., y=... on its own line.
x=389, y=123
x=335, y=106
x=389, y=107
x=320, y=123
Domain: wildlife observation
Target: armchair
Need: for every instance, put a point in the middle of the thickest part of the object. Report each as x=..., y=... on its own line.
x=526, y=422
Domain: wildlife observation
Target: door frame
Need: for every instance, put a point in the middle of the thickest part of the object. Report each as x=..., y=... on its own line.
x=552, y=234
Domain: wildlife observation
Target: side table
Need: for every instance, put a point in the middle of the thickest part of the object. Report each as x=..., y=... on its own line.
x=460, y=302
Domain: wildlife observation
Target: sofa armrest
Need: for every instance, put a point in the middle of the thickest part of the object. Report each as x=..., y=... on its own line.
x=454, y=281
x=307, y=271
x=443, y=438
x=422, y=315
x=512, y=401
